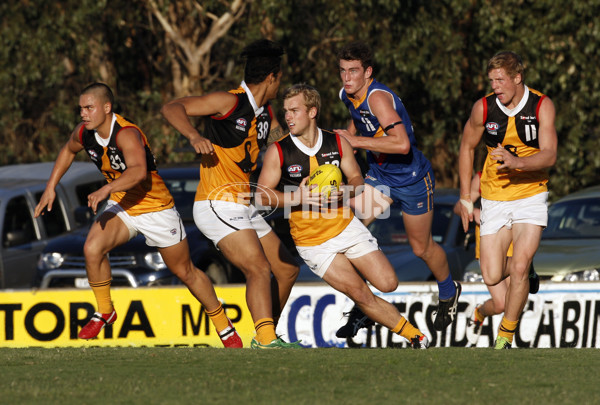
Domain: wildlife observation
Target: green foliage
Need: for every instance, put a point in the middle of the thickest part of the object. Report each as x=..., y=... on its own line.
x=433, y=54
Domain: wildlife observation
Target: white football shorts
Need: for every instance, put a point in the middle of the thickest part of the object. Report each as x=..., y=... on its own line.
x=217, y=219
x=160, y=228
x=354, y=241
x=496, y=214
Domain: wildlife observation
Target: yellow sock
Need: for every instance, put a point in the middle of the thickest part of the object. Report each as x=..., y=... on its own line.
x=218, y=318
x=406, y=329
x=265, y=331
x=507, y=329
x=478, y=316
x=101, y=290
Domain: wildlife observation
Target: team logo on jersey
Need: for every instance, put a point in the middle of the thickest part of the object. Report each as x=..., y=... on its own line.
x=295, y=170
x=329, y=154
x=527, y=117
x=492, y=128
x=93, y=154
x=241, y=124
x=364, y=113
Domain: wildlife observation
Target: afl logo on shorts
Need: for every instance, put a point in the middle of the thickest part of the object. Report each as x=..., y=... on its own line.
x=492, y=128
x=295, y=170
x=241, y=124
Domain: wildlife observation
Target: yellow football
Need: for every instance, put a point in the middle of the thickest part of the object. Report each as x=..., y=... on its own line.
x=327, y=178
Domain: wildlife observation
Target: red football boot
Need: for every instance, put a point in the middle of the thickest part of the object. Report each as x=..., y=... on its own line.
x=230, y=337
x=96, y=324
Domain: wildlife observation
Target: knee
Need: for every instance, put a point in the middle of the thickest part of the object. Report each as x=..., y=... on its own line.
x=520, y=270
x=490, y=277
x=388, y=285
x=254, y=271
x=187, y=273
x=424, y=250
x=288, y=273
x=92, y=251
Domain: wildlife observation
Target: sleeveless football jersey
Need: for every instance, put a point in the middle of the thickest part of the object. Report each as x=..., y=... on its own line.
x=237, y=138
x=151, y=194
x=517, y=131
x=311, y=228
x=394, y=170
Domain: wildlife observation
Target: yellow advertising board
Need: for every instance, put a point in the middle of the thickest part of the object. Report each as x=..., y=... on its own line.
x=166, y=316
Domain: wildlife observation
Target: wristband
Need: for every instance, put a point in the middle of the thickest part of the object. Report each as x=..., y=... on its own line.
x=468, y=204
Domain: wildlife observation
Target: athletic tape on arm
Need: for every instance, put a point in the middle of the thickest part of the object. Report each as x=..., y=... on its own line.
x=468, y=204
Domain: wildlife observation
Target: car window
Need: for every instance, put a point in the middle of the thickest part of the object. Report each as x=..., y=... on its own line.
x=573, y=219
x=54, y=221
x=391, y=230
x=18, y=223
x=183, y=192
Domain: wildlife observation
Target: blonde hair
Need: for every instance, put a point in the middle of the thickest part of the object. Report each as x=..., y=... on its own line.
x=510, y=62
x=312, y=98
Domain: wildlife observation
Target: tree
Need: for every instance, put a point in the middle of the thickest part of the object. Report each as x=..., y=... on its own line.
x=433, y=54
x=191, y=29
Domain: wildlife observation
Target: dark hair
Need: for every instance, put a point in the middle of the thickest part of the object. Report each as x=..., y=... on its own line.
x=263, y=57
x=510, y=62
x=357, y=50
x=102, y=91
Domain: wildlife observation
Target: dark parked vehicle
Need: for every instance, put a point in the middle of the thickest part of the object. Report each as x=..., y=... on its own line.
x=24, y=237
x=446, y=229
x=136, y=264
x=570, y=245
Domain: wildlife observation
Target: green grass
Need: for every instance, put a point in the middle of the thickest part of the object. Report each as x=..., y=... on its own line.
x=311, y=376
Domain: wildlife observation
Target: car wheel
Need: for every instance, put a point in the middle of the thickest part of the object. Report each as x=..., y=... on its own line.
x=217, y=273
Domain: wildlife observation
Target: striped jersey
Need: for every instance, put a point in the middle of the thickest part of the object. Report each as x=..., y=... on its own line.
x=308, y=227
x=517, y=131
x=148, y=196
x=237, y=138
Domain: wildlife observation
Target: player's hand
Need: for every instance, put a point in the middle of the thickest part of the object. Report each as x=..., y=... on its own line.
x=202, y=145
x=46, y=202
x=308, y=194
x=506, y=159
x=336, y=195
x=348, y=136
x=97, y=197
x=466, y=215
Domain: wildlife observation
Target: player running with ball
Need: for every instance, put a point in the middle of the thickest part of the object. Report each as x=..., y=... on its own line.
x=331, y=240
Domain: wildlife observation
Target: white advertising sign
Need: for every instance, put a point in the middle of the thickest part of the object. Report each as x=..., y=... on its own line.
x=559, y=315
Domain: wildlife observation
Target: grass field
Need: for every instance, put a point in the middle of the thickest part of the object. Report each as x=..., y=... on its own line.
x=310, y=376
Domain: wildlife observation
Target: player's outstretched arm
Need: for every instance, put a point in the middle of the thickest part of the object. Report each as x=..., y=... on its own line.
x=63, y=162
x=178, y=112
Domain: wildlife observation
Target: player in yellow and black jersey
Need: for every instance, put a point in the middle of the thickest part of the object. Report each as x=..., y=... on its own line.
x=335, y=245
x=517, y=125
x=139, y=202
x=241, y=122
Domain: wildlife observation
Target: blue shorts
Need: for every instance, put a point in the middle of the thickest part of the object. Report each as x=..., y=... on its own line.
x=415, y=199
